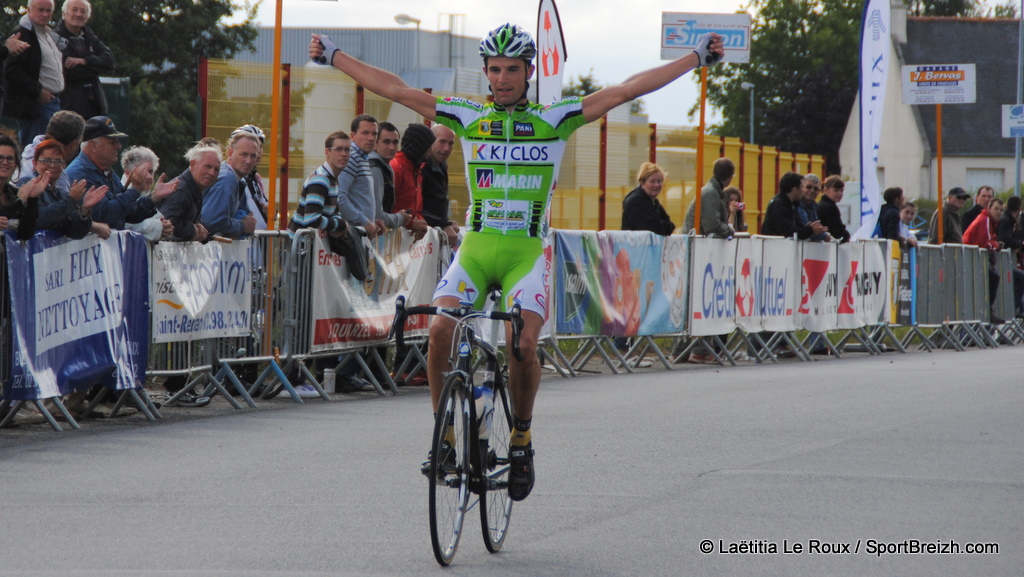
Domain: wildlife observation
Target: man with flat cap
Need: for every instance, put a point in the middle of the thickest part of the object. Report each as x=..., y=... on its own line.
x=100, y=149
x=951, y=231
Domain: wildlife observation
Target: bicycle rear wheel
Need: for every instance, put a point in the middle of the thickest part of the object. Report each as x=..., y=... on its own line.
x=449, y=469
x=496, y=509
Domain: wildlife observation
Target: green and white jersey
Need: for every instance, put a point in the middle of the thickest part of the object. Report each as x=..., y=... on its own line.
x=512, y=160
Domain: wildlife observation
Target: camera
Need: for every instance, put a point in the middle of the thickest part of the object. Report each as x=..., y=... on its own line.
x=741, y=206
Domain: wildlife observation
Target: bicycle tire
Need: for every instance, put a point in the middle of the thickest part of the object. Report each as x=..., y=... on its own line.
x=496, y=506
x=449, y=477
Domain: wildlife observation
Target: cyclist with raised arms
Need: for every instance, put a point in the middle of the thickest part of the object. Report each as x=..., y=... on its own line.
x=512, y=149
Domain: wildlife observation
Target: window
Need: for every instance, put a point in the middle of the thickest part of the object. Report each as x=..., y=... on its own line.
x=979, y=177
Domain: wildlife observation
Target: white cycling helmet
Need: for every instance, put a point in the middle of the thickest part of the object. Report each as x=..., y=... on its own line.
x=508, y=40
x=250, y=129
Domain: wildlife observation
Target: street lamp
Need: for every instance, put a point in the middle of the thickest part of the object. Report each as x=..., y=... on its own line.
x=750, y=86
x=404, y=19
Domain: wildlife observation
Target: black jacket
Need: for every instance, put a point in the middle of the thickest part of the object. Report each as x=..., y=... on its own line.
x=780, y=219
x=183, y=207
x=641, y=212
x=830, y=217
x=21, y=77
x=83, y=92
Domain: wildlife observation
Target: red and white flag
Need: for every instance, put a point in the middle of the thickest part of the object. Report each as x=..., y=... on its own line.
x=550, y=53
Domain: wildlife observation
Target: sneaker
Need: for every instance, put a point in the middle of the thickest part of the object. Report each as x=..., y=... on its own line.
x=304, y=391
x=447, y=460
x=189, y=400
x=352, y=383
x=520, y=471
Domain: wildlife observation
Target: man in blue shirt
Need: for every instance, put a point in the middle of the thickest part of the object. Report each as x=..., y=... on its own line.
x=225, y=208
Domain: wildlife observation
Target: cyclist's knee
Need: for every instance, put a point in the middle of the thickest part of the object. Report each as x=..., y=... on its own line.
x=528, y=346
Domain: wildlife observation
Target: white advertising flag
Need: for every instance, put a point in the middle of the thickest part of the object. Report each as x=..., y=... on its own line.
x=550, y=53
x=875, y=59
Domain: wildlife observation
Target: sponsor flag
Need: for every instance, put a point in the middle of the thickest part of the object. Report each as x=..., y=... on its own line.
x=550, y=53
x=875, y=59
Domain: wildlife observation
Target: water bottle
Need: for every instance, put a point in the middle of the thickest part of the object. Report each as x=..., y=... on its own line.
x=484, y=398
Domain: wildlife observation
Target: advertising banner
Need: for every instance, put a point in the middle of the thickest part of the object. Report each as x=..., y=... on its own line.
x=749, y=272
x=939, y=84
x=850, y=259
x=905, y=288
x=680, y=32
x=875, y=59
x=618, y=283
x=779, y=285
x=200, y=291
x=347, y=311
x=551, y=54
x=819, y=301
x=80, y=313
x=872, y=282
x=712, y=281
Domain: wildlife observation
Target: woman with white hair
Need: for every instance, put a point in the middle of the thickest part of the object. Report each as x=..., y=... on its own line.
x=140, y=164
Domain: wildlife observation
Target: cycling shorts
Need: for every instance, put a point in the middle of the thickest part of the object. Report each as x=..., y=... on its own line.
x=519, y=266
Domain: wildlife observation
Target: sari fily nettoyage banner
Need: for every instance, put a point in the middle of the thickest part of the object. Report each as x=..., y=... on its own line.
x=80, y=312
x=347, y=311
x=619, y=283
x=201, y=291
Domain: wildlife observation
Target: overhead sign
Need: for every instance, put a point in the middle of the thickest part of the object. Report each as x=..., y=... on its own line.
x=1013, y=120
x=680, y=32
x=939, y=84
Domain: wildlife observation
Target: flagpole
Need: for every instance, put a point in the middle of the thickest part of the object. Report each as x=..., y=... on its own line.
x=700, y=147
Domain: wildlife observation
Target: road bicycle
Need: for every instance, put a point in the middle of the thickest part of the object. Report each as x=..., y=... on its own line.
x=469, y=461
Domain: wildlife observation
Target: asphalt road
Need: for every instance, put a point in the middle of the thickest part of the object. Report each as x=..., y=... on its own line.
x=633, y=474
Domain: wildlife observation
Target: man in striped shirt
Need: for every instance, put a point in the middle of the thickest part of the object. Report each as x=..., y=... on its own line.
x=318, y=204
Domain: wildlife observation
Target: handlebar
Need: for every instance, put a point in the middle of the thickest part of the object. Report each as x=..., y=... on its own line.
x=402, y=314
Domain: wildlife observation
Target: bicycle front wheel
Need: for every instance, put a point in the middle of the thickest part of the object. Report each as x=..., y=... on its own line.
x=496, y=509
x=449, y=469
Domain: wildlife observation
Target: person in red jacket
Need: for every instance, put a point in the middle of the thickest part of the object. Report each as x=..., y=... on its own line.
x=982, y=232
x=407, y=165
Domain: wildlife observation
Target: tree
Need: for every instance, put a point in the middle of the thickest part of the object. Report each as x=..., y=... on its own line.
x=157, y=44
x=804, y=72
x=963, y=8
x=585, y=84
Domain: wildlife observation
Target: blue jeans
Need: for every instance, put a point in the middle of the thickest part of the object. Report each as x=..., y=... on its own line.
x=30, y=128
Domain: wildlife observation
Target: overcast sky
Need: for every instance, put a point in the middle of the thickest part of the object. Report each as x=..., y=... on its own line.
x=615, y=38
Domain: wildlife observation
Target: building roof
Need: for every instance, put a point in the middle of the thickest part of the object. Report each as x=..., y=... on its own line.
x=969, y=129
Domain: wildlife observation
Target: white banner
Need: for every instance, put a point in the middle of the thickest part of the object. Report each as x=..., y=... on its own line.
x=675, y=266
x=872, y=282
x=939, y=84
x=712, y=281
x=200, y=291
x=819, y=301
x=779, y=284
x=851, y=258
x=680, y=32
x=749, y=272
x=875, y=59
x=346, y=311
x=1013, y=120
x=551, y=54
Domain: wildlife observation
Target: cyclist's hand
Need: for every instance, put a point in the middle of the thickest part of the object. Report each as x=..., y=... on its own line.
x=321, y=49
x=710, y=49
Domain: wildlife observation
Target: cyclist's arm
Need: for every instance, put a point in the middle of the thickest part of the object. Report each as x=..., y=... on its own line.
x=598, y=104
x=383, y=83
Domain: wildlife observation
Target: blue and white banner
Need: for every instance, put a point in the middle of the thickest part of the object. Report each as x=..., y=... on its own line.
x=778, y=284
x=201, y=291
x=875, y=60
x=80, y=311
x=713, y=282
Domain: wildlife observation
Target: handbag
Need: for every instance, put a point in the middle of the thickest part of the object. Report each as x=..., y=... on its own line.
x=351, y=247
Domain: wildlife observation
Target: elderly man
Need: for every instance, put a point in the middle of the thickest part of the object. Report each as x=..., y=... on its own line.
x=435, y=183
x=952, y=233
x=85, y=60
x=34, y=79
x=184, y=206
x=225, y=208
x=100, y=148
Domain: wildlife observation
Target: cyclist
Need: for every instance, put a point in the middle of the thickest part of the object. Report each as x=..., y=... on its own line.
x=512, y=150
